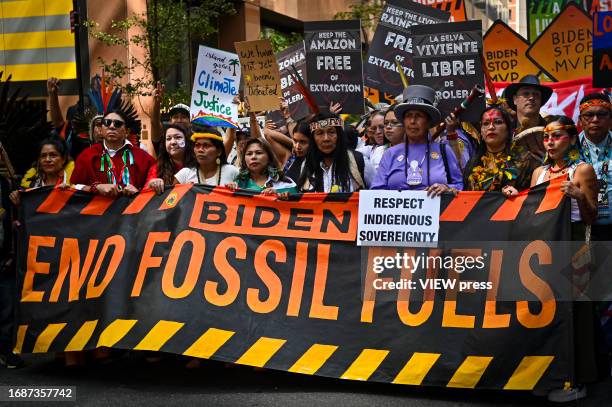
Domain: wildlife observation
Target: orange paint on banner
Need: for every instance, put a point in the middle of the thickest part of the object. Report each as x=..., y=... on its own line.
x=268, y=277
x=227, y=271
x=35, y=267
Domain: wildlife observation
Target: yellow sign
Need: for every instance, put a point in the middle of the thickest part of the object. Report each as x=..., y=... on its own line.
x=504, y=52
x=564, y=50
x=35, y=40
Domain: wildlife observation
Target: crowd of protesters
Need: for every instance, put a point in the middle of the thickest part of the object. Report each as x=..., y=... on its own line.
x=393, y=147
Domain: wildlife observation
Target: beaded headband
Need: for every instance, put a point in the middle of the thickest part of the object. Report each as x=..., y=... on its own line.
x=320, y=124
x=550, y=128
x=595, y=103
x=196, y=136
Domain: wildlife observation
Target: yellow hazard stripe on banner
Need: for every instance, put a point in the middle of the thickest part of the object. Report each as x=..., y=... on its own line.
x=528, y=373
x=208, y=343
x=38, y=39
x=34, y=8
x=416, y=369
x=365, y=365
x=313, y=359
x=261, y=351
x=46, y=337
x=83, y=335
x=115, y=332
x=159, y=335
x=469, y=373
x=21, y=332
x=38, y=72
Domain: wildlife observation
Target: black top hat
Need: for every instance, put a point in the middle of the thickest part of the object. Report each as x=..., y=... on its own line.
x=419, y=97
x=527, y=80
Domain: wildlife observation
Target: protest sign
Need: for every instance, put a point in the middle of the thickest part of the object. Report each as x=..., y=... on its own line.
x=333, y=61
x=540, y=13
x=215, y=85
x=592, y=6
x=602, y=48
x=296, y=56
x=504, y=51
x=563, y=51
x=398, y=218
x=375, y=96
x=446, y=57
x=260, y=74
x=392, y=41
x=245, y=122
x=206, y=273
x=455, y=7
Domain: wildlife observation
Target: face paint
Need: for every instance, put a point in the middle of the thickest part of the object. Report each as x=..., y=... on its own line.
x=491, y=115
x=181, y=143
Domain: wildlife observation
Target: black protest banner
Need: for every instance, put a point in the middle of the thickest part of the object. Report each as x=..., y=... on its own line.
x=446, y=58
x=207, y=273
x=333, y=61
x=392, y=41
x=602, y=49
x=296, y=56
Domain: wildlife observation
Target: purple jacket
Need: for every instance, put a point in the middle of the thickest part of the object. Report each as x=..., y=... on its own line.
x=391, y=173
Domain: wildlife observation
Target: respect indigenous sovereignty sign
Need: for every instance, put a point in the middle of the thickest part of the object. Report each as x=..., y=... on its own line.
x=602, y=49
x=566, y=96
x=446, y=58
x=206, y=273
x=455, y=7
x=392, y=41
x=398, y=219
x=260, y=74
x=564, y=50
x=505, y=54
x=333, y=60
x=293, y=56
x=215, y=85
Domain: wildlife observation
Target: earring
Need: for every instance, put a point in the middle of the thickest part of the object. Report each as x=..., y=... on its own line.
x=218, y=161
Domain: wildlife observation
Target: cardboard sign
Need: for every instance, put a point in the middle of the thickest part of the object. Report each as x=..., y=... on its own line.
x=602, y=48
x=446, y=58
x=504, y=51
x=392, y=41
x=455, y=7
x=215, y=85
x=398, y=219
x=296, y=56
x=260, y=74
x=563, y=51
x=333, y=61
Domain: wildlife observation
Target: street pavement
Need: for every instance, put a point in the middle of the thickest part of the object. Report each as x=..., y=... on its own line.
x=132, y=381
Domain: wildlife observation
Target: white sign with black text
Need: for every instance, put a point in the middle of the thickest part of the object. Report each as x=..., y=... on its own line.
x=398, y=219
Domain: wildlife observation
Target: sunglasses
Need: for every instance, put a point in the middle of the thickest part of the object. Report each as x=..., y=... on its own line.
x=116, y=123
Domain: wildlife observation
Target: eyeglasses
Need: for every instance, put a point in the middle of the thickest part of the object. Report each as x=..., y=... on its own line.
x=588, y=116
x=116, y=123
x=393, y=124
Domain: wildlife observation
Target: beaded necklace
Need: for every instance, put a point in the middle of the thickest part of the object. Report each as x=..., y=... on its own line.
x=106, y=164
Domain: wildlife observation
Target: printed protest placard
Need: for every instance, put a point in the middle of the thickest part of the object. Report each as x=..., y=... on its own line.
x=602, y=49
x=215, y=85
x=455, y=7
x=333, y=61
x=260, y=73
x=540, y=13
x=504, y=51
x=398, y=218
x=446, y=58
x=293, y=56
x=392, y=41
x=564, y=50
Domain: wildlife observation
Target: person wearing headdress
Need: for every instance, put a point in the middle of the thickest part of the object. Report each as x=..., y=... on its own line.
x=596, y=149
x=329, y=165
x=114, y=166
x=211, y=167
x=493, y=167
x=419, y=163
x=526, y=98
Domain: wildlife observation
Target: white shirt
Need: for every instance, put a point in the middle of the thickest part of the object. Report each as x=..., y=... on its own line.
x=368, y=175
x=190, y=176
